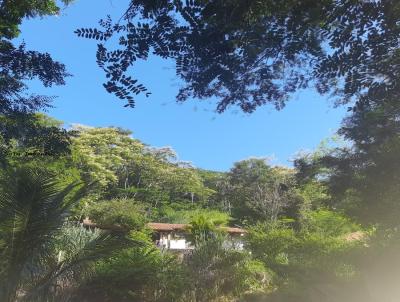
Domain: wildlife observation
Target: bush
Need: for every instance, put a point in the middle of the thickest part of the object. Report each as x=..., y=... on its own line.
x=136, y=275
x=124, y=213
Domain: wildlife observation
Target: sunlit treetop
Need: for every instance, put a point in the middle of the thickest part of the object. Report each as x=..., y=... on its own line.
x=12, y=13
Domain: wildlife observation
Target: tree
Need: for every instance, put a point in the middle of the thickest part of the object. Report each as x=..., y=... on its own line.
x=127, y=168
x=125, y=214
x=312, y=263
x=136, y=274
x=19, y=65
x=361, y=179
x=249, y=53
x=204, y=226
x=32, y=137
x=260, y=191
x=219, y=184
x=244, y=53
x=217, y=272
x=13, y=12
x=103, y=154
x=41, y=257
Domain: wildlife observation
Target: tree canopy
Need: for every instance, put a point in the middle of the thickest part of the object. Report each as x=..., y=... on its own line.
x=18, y=65
x=326, y=228
x=250, y=53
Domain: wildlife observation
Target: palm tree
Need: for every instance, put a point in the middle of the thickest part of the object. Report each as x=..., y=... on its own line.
x=203, y=227
x=43, y=257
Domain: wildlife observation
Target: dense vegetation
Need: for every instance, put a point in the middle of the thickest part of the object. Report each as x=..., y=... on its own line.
x=325, y=230
x=302, y=242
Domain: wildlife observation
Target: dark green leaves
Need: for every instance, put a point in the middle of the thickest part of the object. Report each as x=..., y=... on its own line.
x=221, y=49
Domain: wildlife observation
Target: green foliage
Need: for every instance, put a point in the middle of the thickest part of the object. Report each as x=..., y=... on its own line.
x=258, y=57
x=297, y=242
x=257, y=191
x=180, y=213
x=18, y=66
x=13, y=88
x=13, y=12
x=328, y=223
x=123, y=213
x=314, y=195
x=309, y=258
x=304, y=246
x=32, y=137
x=204, y=226
x=271, y=243
x=101, y=153
x=38, y=250
x=123, y=167
x=361, y=180
x=217, y=273
x=250, y=53
x=139, y=274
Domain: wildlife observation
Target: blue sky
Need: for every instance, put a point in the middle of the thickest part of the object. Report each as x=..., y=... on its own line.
x=207, y=139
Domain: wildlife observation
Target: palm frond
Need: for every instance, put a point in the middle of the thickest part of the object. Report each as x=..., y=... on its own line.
x=33, y=208
x=79, y=250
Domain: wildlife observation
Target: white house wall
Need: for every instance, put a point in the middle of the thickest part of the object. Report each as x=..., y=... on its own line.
x=170, y=241
x=177, y=244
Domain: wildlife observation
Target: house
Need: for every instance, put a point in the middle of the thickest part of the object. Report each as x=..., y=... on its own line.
x=173, y=236
x=170, y=235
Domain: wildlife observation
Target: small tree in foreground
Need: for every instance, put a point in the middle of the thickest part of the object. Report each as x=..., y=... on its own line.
x=42, y=258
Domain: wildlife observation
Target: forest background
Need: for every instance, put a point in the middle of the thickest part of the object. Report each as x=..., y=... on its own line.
x=324, y=229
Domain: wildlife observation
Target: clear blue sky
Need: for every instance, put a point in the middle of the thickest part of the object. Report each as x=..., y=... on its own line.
x=208, y=140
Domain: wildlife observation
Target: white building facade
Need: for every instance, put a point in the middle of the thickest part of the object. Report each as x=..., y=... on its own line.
x=173, y=236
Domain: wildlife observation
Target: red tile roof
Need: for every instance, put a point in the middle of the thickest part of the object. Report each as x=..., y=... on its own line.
x=355, y=236
x=234, y=230
x=162, y=227
x=158, y=226
x=88, y=223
